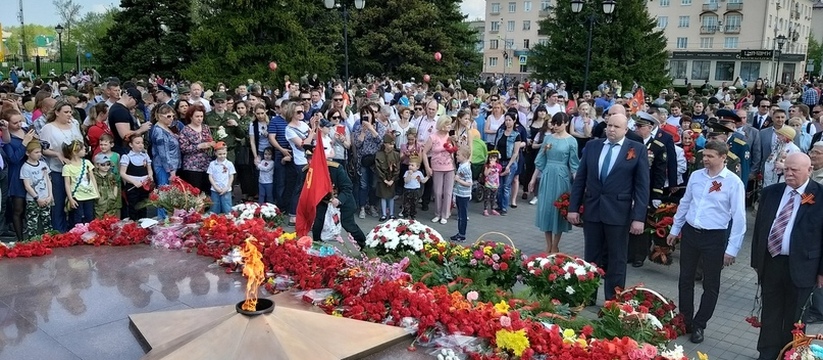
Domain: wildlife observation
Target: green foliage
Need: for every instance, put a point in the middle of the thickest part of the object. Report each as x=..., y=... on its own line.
x=815, y=53
x=148, y=36
x=90, y=31
x=625, y=46
x=31, y=31
x=399, y=38
x=69, y=13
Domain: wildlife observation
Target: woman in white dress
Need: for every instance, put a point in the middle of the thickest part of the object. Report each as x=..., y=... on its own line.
x=773, y=168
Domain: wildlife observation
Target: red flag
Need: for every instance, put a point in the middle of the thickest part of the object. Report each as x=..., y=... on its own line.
x=316, y=186
x=636, y=103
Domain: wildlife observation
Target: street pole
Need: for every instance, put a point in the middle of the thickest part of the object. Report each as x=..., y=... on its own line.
x=346, y=43
x=588, y=54
x=60, y=39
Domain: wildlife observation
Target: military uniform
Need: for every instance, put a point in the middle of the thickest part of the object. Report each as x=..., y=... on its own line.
x=639, y=245
x=742, y=153
x=348, y=206
x=214, y=121
x=732, y=162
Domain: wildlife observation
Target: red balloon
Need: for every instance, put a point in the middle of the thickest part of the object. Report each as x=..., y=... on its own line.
x=273, y=66
x=426, y=78
x=438, y=56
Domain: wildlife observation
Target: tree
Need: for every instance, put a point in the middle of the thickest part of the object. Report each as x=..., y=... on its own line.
x=386, y=41
x=815, y=53
x=237, y=39
x=69, y=12
x=625, y=46
x=148, y=36
x=90, y=31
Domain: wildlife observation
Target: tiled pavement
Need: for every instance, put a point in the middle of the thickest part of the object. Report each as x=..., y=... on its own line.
x=74, y=304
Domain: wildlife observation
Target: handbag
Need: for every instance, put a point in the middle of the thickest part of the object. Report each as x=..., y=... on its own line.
x=367, y=160
x=331, y=224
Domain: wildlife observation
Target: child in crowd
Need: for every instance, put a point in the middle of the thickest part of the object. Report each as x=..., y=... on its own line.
x=412, y=179
x=492, y=175
x=328, y=141
x=387, y=166
x=265, y=189
x=221, y=176
x=462, y=192
x=81, y=187
x=36, y=181
x=109, y=202
x=106, y=142
x=137, y=175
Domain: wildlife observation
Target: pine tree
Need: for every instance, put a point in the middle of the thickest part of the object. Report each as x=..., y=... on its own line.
x=625, y=46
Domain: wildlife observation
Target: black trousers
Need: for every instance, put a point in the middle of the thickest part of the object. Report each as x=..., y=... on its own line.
x=708, y=246
x=608, y=247
x=782, y=304
x=427, y=187
x=639, y=246
x=346, y=222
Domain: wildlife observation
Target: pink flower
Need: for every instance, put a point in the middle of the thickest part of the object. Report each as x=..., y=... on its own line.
x=637, y=354
x=472, y=296
x=649, y=350
x=496, y=266
x=478, y=254
x=505, y=321
x=495, y=257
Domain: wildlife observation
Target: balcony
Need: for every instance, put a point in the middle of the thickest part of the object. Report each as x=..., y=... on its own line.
x=734, y=6
x=710, y=7
x=544, y=13
x=731, y=29
x=494, y=12
x=708, y=29
x=494, y=31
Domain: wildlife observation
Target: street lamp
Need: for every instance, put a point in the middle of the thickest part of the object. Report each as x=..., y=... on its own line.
x=22, y=55
x=577, y=7
x=781, y=41
x=343, y=6
x=59, y=29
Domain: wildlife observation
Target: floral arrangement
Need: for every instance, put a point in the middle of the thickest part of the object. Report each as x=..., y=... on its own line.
x=658, y=225
x=178, y=195
x=801, y=345
x=501, y=261
x=250, y=210
x=396, y=236
x=562, y=204
x=221, y=134
x=569, y=279
x=645, y=302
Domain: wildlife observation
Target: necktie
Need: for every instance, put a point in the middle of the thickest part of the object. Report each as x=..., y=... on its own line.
x=776, y=235
x=760, y=123
x=604, y=170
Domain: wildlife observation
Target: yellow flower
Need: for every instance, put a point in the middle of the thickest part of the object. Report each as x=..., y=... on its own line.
x=502, y=307
x=487, y=250
x=337, y=313
x=516, y=341
x=211, y=224
x=582, y=342
x=288, y=236
x=569, y=336
x=702, y=356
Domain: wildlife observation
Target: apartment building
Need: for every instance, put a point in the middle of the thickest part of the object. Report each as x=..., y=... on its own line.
x=510, y=31
x=723, y=41
x=479, y=26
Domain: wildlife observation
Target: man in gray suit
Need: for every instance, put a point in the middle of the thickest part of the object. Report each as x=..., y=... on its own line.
x=768, y=138
x=753, y=139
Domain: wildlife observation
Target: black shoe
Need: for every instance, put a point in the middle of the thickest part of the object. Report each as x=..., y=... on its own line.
x=513, y=206
x=525, y=196
x=393, y=217
x=637, y=264
x=425, y=207
x=382, y=218
x=697, y=335
x=689, y=329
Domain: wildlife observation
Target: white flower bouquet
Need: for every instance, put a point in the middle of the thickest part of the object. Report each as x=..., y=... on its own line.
x=268, y=212
x=395, y=236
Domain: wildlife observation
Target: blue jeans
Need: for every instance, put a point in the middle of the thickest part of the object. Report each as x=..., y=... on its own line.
x=298, y=187
x=265, y=193
x=58, y=213
x=462, y=215
x=279, y=181
x=505, y=191
x=84, y=213
x=366, y=184
x=161, y=177
x=221, y=204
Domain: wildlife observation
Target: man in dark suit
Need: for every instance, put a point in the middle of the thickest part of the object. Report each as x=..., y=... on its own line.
x=786, y=251
x=639, y=244
x=760, y=119
x=612, y=182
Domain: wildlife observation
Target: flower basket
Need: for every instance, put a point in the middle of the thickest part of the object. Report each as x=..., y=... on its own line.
x=801, y=347
x=658, y=225
x=639, y=307
x=270, y=213
x=396, y=236
x=178, y=195
x=569, y=279
x=501, y=261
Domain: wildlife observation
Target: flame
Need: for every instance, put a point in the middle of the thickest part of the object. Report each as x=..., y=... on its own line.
x=253, y=270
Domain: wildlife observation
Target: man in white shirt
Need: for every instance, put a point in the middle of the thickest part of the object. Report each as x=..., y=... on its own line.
x=714, y=198
x=196, y=93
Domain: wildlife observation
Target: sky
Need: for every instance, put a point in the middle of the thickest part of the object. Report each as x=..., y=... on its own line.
x=43, y=12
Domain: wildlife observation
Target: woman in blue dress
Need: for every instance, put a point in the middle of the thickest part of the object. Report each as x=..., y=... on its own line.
x=557, y=162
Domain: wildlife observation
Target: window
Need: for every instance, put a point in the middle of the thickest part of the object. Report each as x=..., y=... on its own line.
x=730, y=42
x=495, y=26
x=493, y=61
x=527, y=25
x=510, y=44
x=710, y=22
x=749, y=71
x=664, y=3
x=700, y=69
x=495, y=8
x=494, y=44
x=685, y=2
x=677, y=69
x=662, y=21
x=543, y=42
x=724, y=71
x=512, y=7
x=706, y=42
x=510, y=25
x=682, y=42
x=524, y=68
x=732, y=23
x=525, y=43
x=545, y=4
x=527, y=6
x=683, y=22
x=770, y=21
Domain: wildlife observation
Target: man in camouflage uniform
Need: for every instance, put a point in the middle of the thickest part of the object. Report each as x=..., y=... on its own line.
x=224, y=125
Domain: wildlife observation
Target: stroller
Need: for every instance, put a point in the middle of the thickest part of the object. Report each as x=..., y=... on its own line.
x=478, y=161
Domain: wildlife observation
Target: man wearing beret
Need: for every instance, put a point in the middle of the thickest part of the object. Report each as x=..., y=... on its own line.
x=224, y=125
x=656, y=151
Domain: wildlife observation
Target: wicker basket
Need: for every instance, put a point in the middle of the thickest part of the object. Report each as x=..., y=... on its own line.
x=481, y=238
x=650, y=291
x=800, y=340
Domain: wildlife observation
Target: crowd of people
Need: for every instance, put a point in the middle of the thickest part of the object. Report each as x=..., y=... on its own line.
x=76, y=150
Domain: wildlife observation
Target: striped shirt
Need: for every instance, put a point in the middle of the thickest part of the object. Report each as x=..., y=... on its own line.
x=464, y=173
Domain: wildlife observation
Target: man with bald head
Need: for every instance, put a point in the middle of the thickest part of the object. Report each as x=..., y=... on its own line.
x=612, y=184
x=786, y=251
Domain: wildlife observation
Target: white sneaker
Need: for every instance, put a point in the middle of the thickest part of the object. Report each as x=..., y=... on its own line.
x=362, y=213
x=436, y=219
x=533, y=201
x=444, y=221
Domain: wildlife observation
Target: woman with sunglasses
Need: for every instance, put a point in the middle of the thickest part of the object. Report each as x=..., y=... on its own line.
x=341, y=136
x=165, y=148
x=298, y=133
x=368, y=138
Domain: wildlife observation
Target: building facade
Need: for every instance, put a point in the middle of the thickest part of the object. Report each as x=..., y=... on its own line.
x=510, y=32
x=734, y=42
x=479, y=26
